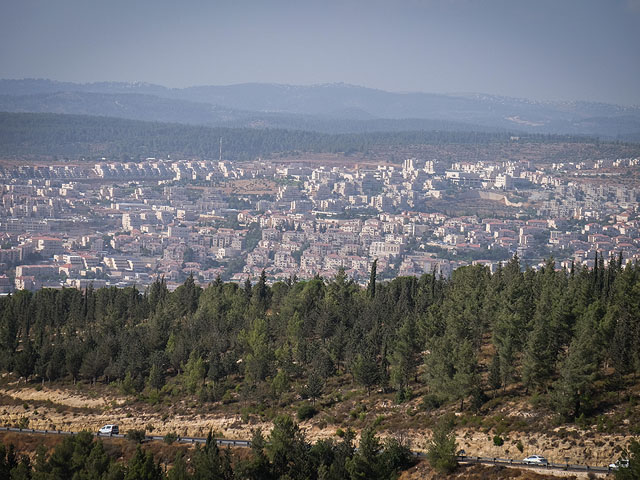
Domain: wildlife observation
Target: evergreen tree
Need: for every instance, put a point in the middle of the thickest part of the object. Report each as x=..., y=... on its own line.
x=405, y=359
x=371, y=289
x=209, y=463
x=441, y=452
x=257, y=467
x=156, y=377
x=143, y=467
x=495, y=379
x=465, y=377
x=195, y=372
x=365, y=371
x=287, y=450
x=315, y=386
x=540, y=352
x=632, y=472
x=573, y=391
x=98, y=462
x=8, y=460
x=365, y=463
x=259, y=355
x=509, y=329
x=179, y=469
x=261, y=295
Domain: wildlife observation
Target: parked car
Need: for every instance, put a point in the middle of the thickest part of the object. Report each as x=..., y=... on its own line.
x=535, y=460
x=109, y=430
x=622, y=463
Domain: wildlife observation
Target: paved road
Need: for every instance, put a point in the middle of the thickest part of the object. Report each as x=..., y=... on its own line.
x=247, y=443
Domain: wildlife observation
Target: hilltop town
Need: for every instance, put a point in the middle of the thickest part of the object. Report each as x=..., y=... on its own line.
x=77, y=224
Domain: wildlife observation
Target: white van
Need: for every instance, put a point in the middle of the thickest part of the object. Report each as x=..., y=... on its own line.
x=109, y=430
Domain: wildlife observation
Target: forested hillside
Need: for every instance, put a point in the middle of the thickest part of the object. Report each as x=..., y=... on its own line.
x=569, y=337
x=93, y=137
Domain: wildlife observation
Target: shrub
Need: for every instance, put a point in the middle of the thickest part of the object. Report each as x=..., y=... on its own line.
x=582, y=421
x=137, y=436
x=498, y=441
x=153, y=398
x=358, y=411
x=227, y=397
x=431, y=402
x=23, y=422
x=403, y=395
x=519, y=446
x=306, y=411
x=170, y=438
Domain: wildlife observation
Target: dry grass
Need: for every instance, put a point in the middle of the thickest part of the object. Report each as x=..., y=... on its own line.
x=484, y=472
x=343, y=405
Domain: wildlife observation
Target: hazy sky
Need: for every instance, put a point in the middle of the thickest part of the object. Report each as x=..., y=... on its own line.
x=556, y=49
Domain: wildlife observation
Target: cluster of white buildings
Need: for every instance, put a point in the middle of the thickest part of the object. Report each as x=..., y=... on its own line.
x=127, y=223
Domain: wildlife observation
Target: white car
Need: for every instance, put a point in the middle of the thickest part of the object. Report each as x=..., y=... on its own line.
x=109, y=430
x=535, y=460
x=622, y=463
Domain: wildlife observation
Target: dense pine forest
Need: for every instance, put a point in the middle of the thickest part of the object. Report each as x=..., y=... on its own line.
x=568, y=337
x=565, y=340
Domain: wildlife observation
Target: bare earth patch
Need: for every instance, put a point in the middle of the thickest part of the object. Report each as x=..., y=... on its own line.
x=57, y=396
x=57, y=409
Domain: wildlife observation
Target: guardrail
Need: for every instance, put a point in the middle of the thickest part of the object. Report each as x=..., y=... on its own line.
x=189, y=440
x=519, y=463
x=247, y=443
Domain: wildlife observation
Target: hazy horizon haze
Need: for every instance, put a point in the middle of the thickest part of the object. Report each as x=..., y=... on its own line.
x=566, y=50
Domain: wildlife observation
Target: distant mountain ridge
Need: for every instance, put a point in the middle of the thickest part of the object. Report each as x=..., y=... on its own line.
x=332, y=108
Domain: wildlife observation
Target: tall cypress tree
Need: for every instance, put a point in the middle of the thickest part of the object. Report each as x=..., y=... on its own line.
x=371, y=288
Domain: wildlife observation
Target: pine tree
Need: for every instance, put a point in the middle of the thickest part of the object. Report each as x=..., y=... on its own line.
x=314, y=387
x=259, y=355
x=465, y=377
x=257, y=466
x=366, y=462
x=98, y=462
x=179, y=469
x=404, y=359
x=209, y=463
x=287, y=449
x=365, y=371
x=142, y=467
x=195, y=372
x=573, y=390
x=632, y=471
x=494, y=379
x=156, y=377
x=509, y=329
x=441, y=452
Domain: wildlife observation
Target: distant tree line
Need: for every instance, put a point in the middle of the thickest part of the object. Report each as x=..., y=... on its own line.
x=556, y=333
x=93, y=137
